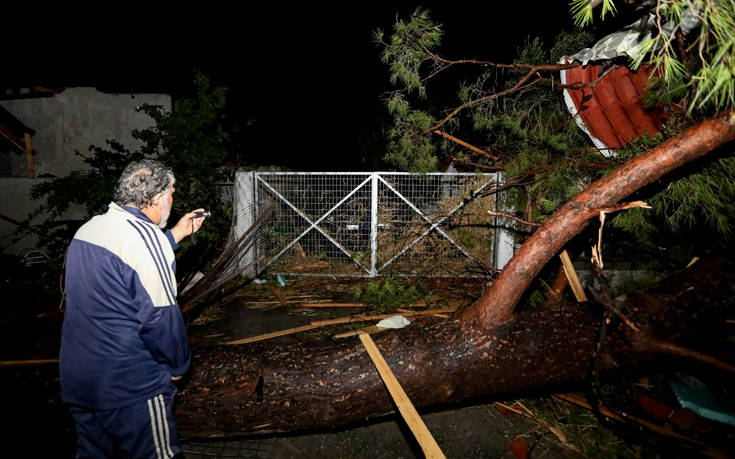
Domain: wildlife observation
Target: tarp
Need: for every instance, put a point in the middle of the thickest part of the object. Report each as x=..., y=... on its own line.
x=629, y=41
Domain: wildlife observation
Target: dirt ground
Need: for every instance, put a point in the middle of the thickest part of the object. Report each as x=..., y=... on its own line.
x=540, y=426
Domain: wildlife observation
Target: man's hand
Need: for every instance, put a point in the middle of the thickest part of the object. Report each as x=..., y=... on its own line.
x=175, y=378
x=188, y=225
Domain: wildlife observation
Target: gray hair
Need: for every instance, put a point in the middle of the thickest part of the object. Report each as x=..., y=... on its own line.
x=141, y=181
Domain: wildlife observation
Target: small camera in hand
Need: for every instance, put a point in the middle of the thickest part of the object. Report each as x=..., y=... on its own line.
x=202, y=214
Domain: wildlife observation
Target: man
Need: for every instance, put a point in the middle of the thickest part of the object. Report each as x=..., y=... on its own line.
x=124, y=339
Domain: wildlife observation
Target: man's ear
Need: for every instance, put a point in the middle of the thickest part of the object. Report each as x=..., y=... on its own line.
x=156, y=199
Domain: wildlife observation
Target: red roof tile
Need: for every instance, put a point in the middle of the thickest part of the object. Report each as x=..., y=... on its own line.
x=611, y=110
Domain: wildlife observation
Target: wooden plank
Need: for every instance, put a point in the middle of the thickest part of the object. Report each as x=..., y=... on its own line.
x=405, y=407
x=572, y=276
x=353, y=305
x=29, y=156
x=331, y=305
x=25, y=363
x=368, y=330
x=324, y=323
x=275, y=334
x=364, y=317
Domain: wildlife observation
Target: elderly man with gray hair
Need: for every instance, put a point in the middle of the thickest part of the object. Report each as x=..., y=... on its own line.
x=124, y=340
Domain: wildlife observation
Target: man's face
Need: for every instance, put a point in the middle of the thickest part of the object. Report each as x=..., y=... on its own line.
x=165, y=203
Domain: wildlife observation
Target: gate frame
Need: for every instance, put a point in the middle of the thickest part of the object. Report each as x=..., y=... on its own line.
x=503, y=241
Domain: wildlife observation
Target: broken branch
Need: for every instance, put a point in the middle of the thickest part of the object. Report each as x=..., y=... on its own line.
x=465, y=144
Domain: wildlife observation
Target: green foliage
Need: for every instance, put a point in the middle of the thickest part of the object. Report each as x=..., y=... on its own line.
x=567, y=43
x=98, y=183
x=533, y=128
x=386, y=294
x=190, y=139
x=408, y=147
x=582, y=11
x=405, y=51
x=534, y=131
x=703, y=198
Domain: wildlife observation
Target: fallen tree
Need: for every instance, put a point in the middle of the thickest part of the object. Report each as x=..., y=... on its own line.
x=259, y=388
x=486, y=350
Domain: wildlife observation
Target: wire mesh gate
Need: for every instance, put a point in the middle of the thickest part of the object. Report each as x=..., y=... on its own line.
x=372, y=223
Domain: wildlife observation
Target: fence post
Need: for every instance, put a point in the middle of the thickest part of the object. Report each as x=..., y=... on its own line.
x=373, y=224
x=504, y=242
x=256, y=210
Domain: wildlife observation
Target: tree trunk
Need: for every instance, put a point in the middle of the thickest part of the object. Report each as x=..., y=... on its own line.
x=498, y=302
x=257, y=388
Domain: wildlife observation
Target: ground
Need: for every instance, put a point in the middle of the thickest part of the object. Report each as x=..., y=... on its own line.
x=533, y=426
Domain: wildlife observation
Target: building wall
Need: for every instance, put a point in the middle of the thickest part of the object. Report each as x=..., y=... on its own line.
x=73, y=120
x=67, y=122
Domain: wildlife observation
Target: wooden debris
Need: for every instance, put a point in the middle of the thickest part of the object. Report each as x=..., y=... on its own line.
x=405, y=407
x=418, y=304
x=368, y=330
x=323, y=323
x=275, y=334
x=572, y=276
x=26, y=363
x=331, y=305
x=364, y=317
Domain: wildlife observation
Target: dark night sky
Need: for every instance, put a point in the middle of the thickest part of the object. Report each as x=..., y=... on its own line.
x=309, y=75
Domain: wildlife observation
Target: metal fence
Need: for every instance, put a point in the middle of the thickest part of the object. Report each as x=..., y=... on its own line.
x=373, y=223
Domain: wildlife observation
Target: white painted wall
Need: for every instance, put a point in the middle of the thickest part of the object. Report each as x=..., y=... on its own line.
x=75, y=119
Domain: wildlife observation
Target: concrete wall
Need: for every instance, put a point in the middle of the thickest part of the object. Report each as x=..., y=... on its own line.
x=67, y=122
x=75, y=119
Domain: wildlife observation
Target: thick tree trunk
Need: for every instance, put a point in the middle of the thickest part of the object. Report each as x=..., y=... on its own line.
x=258, y=388
x=498, y=302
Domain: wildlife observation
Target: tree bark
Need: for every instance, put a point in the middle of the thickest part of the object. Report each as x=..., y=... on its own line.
x=497, y=303
x=259, y=388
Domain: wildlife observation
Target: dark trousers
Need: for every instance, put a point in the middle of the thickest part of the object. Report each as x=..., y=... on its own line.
x=143, y=429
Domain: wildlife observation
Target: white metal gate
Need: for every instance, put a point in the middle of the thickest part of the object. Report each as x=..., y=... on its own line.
x=367, y=224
